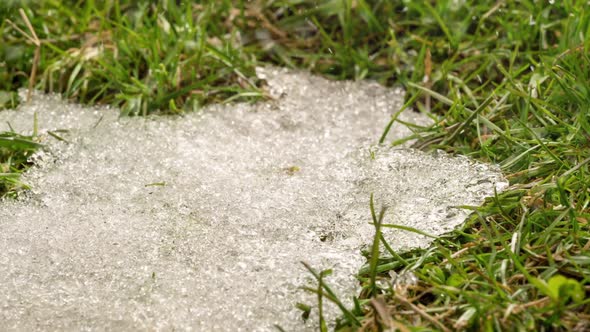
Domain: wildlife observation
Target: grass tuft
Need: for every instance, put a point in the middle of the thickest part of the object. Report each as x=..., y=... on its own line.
x=15, y=151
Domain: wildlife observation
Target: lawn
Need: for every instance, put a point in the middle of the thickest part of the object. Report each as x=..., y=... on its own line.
x=509, y=81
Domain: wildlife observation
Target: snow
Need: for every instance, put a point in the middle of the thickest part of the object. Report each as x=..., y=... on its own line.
x=200, y=222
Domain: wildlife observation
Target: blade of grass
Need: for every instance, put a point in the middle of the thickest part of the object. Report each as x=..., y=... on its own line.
x=374, y=260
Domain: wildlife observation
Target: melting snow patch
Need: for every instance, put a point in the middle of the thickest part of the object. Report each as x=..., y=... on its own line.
x=200, y=222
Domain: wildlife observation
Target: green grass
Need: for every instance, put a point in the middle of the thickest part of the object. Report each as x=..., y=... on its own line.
x=510, y=81
x=15, y=151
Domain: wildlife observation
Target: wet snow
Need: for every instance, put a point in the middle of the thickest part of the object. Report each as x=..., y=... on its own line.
x=200, y=222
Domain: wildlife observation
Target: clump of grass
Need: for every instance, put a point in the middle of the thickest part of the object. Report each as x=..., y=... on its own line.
x=510, y=82
x=15, y=151
x=140, y=56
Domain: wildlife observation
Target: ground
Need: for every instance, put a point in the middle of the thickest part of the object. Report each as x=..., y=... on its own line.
x=508, y=79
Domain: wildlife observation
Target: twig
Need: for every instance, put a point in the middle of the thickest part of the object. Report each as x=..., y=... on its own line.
x=492, y=10
x=426, y=80
x=383, y=312
x=422, y=313
x=35, y=40
x=460, y=252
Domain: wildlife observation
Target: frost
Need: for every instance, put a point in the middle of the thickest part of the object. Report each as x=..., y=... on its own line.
x=200, y=222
